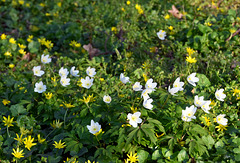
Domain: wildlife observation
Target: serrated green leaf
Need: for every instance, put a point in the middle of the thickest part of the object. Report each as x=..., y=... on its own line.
x=203, y=80
x=157, y=123
x=17, y=109
x=156, y=155
x=182, y=155
x=142, y=156
x=236, y=150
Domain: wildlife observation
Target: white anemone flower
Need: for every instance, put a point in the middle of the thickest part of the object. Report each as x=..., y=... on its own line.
x=45, y=59
x=39, y=87
x=137, y=86
x=221, y=120
x=87, y=82
x=145, y=93
x=150, y=85
x=148, y=103
x=90, y=72
x=65, y=81
x=192, y=79
x=94, y=127
x=205, y=107
x=178, y=84
x=198, y=101
x=188, y=113
x=124, y=79
x=37, y=71
x=173, y=90
x=134, y=119
x=161, y=34
x=220, y=95
x=107, y=99
x=63, y=72
x=74, y=72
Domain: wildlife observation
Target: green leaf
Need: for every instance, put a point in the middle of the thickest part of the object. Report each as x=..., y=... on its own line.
x=132, y=134
x=149, y=132
x=157, y=123
x=232, y=12
x=33, y=46
x=203, y=80
x=208, y=141
x=156, y=155
x=236, y=150
x=17, y=109
x=182, y=155
x=204, y=29
x=142, y=156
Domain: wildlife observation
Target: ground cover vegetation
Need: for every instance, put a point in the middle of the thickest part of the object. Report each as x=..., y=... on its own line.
x=119, y=81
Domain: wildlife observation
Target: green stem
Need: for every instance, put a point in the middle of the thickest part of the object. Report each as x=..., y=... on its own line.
x=65, y=118
x=98, y=141
x=8, y=132
x=166, y=101
x=50, y=133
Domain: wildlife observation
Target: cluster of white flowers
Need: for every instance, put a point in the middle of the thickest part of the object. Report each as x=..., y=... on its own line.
x=88, y=82
x=40, y=87
x=63, y=72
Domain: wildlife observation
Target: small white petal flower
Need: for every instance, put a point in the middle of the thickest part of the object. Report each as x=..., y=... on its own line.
x=87, y=82
x=221, y=120
x=161, y=34
x=39, y=87
x=205, y=107
x=45, y=59
x=74, y=72
x=192, y=79
x=137, y=86
x=145, y=93
x=188, y=113
x=147, y=103
x=173, y=90
x=198, y=101
x=65, y=81
x=220, y=95
x=178, y=84
x=63, y=72
x=134, y=119
x=124, y=79
x=91, y=71
x=94, y=127
x=150, y=85
x=107, y=99
x=37, y=71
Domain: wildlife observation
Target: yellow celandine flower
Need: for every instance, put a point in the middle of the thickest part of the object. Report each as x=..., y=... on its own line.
x=59, y=4
x=21, y=51
x=48, y=44
x=21, y=88
x=158, y=136
x=122, y=9
x=59, y=144
x=73, y=161
x=101, y=79
x=208, y=24
x=17, y=153
x=167, y=16
x=19, y=139
x=170, y=28
x=7, y=54
x=75, y=44
x=90, y=98
x=8, y=121
x=5, y=102
x=207, y=120
x=145, y=77
x=221, y=127
x=128, y=2
x=125, y=125
x=3, y=37
x=67, y=105
x=29, y=142
x=190, y=51
x=132, y=158
x=56, y=124
x=145, y=65
x=54, y=81
x=29, y=39
x=90, y=161
x=12, y=41
x=21, y=46
x=27, y=4
x=134, y=110
x=42, y=4
x=11, y=65
x=21, y=2
x=40, y=140
x=114, y=29
x=48, y=95
x=191, y=60
x=236, y=91
x=99, y=132
x=153, y=49
x=232, y=30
